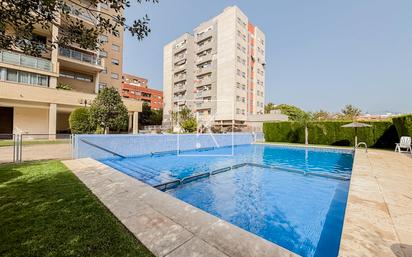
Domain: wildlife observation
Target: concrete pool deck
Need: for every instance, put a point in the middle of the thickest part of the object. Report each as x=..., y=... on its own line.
x=378, y=219
x=165, y=225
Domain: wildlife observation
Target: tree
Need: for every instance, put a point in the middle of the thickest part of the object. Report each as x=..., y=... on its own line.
x=80, y=123
x=321, y=115
x=18, y=19
x=304, y=119
x=269, y=107
x=292, y=111
x=185, y=119
x=350, y=112
x=149, y=116
x=108, y=111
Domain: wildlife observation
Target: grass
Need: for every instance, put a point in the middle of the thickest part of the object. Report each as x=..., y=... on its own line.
x=46, y=211
x=35, y=142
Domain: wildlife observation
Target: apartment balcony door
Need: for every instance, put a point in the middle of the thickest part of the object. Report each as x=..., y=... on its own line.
x=6, y=122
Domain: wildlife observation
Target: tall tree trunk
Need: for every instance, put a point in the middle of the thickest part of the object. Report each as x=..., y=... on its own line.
x=306, y=135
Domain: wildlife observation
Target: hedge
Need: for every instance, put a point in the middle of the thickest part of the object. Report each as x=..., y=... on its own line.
x=382, y=134
x=403, y=125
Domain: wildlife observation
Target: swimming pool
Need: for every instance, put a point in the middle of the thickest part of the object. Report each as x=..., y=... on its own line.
x=294, y=197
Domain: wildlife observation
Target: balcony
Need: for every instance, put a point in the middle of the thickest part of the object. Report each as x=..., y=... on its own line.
x=204, y=58
x=204, y=35
x=203, y=81
x=179, y=58
x=90, y=61
x=179, y=68
x=26, y=61
x=203, y=47
x=204, y=70
x=180, y=77
x=81, y=13
x=204, y=93
x=178, y=89
x=204, y=104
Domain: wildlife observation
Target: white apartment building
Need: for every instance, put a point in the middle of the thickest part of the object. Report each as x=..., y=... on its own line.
x=218, y=71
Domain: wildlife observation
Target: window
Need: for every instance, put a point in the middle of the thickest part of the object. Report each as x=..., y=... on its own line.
x=104, y=71
x=26, y=78
x=102, y=54
x=115, y=47
x=115, y=61
x=103, y=39
x=104, y=6
x=66, y=74
x=84, y=77
x=12, y=75
x=74, y=75
x=115, y=75
x=102, y=85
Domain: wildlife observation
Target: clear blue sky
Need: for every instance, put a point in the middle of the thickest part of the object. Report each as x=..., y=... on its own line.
x=320, y=54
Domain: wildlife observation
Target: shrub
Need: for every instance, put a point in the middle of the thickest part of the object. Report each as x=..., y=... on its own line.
x=79, y=121
x=403, y=125
x=382, y=134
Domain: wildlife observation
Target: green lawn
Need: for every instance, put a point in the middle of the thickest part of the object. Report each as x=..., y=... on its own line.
x=46, y=211
x=35, y=142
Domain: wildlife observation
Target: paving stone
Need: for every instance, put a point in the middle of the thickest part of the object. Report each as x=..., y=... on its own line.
x=196, y=247
x=157, y=232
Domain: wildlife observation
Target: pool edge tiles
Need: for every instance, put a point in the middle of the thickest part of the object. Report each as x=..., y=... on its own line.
x=155, y=217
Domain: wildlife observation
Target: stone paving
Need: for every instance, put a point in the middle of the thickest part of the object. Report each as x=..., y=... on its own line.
x=378, y=220
x=167, y=226
x=38, y=152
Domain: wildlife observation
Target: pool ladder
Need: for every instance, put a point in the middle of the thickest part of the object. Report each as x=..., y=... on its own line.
x=364, y=144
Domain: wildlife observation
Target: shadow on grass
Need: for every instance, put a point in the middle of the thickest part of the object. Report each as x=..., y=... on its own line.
x=46, y=211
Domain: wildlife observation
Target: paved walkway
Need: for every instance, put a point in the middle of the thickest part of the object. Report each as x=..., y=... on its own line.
x=378, y=219
x=37, y=152
x=167, y=226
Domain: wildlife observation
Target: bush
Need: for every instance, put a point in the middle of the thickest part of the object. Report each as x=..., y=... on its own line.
x=79, y=121
x=382, y=134
x=403, y=125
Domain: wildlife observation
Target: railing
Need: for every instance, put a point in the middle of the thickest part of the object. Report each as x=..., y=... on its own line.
x=204, y=35
x=28, y=147
x=82, y=13
x=25, y=61
x=79, y=56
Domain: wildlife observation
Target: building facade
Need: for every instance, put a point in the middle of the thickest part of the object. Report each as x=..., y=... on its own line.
x=37, y=94
x=137, y=88
x=218, y=71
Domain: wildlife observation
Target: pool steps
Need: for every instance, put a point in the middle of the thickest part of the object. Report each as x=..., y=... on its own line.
x=175, y=183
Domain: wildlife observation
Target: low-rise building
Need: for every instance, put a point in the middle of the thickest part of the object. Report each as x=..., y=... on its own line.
x=137, y=88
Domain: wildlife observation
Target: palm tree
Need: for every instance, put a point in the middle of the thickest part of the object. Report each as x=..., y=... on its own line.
x=304, y=119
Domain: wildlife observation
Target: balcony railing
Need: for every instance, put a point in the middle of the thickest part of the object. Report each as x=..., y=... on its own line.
x=25, y=61
x=82, y=13
x=79, y=56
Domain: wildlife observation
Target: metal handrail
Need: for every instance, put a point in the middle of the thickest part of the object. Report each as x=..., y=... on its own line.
x=80, y=56
x=364, y=144
x=102, y=148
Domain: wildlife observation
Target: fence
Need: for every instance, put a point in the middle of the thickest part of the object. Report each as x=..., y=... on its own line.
x=28, y=147
x=103, y=146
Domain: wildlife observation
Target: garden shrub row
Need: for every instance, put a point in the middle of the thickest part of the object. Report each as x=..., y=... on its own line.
x=403, y=125
x=382, y=134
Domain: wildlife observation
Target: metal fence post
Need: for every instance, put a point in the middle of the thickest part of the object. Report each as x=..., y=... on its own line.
x=21, y=148
x=14, y=147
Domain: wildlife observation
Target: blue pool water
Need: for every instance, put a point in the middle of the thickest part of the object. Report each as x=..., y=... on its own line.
x=296, y=210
